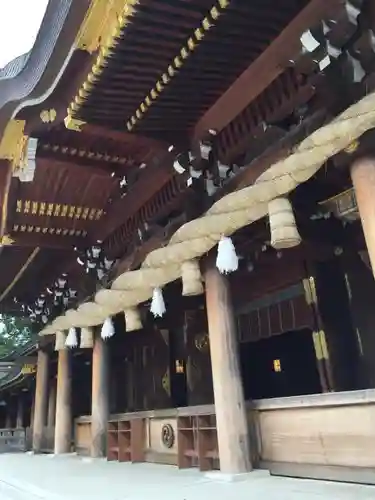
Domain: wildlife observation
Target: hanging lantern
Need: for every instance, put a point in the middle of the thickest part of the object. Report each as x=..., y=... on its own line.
x=157, y=305
x=87, y=338
x=191, y=278
x=284, y=232
x=108, y=329
x=227, y=259
x=60, y=341
x=132, y=319
x=71, y=339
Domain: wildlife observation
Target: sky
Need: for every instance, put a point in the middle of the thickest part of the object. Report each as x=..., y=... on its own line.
x=19, y=24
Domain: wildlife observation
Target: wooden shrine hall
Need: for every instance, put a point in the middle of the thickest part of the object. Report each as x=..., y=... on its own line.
x=187, y=220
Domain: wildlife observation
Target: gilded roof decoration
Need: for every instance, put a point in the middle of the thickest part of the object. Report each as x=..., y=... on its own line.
x=84, y=153
x=48, y=115
x=13, y=143
x=193, y=41
x=59, y=231
x=41, y=208
x=103, y=24
x=100, y=20
x=6, y=240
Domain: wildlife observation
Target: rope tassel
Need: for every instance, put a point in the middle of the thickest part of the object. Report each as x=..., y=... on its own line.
x=132, y=319
x=283, y=227
x=191, y=278
x=108, y=329
x=227, y=259
x=87, y=338
x=71, y=339
x=157, y=305
x=60, y=341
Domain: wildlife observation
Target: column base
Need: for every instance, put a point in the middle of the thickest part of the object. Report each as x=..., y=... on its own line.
x=224, y=477
x=67, y=454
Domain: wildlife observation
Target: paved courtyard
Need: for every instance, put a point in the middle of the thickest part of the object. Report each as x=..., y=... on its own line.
x=28, y=477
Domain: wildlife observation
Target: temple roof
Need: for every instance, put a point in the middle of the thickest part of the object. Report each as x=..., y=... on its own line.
x=15, y=66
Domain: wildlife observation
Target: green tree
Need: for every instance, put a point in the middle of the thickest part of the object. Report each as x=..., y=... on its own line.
x=15, y=332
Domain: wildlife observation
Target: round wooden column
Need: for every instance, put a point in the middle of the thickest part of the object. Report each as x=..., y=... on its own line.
x=63, y=427
x=363, y=177
x=51, y=404
x=100, y=397
x=231, y=421
x=32, y=411
x=41, y=399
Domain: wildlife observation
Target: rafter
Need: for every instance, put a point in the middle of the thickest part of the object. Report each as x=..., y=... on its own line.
x=46, y=240
x=138, y=195
x=264, y=70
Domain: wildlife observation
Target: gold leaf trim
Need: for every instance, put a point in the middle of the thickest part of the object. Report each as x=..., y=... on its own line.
x=6, y=240
x=191, y=44
x=102, y=26
x=13, y=143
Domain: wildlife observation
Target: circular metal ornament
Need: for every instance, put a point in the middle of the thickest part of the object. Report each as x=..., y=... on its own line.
x=167, y=435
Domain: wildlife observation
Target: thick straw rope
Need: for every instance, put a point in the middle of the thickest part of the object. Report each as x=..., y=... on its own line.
x=226, y=216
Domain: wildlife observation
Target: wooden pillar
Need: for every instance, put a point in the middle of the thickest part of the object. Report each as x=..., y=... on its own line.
x=363, y=177
x=20, y=415
x=100, y=397
x=231, y=420
x=41, y=399
x=63, y=426
x=32, y=411
x=51, y=404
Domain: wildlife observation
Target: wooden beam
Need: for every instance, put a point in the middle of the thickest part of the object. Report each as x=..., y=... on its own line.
x=124, y=137
x=247, y=177
x=139, y=254
x=276, y=152
x=42, y=240
x=150, y=182
x=77, y=168
x=265, y=69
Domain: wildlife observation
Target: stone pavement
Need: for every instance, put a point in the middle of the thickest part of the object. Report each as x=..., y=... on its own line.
x=28, y=477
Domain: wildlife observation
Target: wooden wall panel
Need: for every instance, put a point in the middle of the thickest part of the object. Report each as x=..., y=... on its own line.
x=339, y=435
x=266, y=319
x=269, y=275
x=198, y=361
x=82, y=436
x=140, y=368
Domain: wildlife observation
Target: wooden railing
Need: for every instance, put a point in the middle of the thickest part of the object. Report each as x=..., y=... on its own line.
x=12, y=440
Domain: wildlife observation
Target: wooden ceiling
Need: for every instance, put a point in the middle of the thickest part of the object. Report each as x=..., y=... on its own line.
x=75, y=199
x=77, y=180
x=239, y=35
